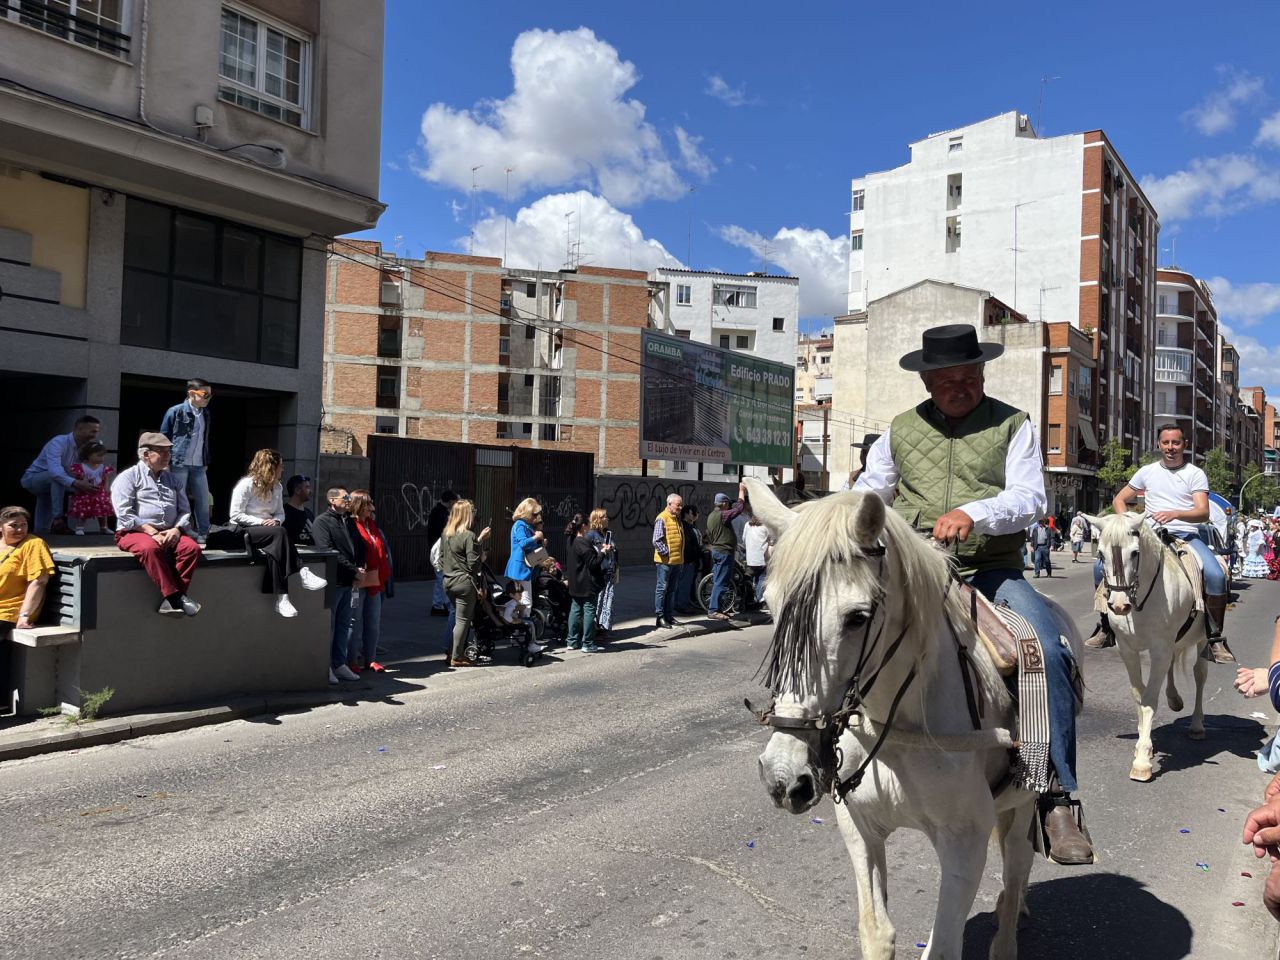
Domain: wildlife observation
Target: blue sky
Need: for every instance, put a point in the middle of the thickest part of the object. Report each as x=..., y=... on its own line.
x=724, y=136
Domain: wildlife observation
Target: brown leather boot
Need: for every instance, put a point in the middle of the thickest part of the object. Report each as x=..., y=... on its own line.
x=1067, y=844
x=1102, y=636
x=1215, y=608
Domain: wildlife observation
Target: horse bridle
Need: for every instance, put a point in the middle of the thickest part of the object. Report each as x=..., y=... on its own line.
x=830, y=725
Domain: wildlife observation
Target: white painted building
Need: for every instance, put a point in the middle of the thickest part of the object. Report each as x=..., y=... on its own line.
x=754, y=313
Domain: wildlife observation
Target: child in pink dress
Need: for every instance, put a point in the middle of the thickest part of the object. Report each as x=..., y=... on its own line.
x=94, y=503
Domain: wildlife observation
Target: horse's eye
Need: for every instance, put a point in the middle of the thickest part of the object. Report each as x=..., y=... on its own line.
x=856, y=619
x=1134, y=533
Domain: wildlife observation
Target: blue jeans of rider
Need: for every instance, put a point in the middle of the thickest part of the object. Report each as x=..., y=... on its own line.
x=666, y=585
x=195, y=482
x=1215, y=580
x=721, y=569
x=1009, y=586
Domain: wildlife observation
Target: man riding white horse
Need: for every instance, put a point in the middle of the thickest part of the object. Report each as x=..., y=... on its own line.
x=1177, y=498
x=967, y=468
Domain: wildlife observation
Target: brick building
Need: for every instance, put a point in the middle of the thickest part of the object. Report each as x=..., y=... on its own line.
x=1186, y=359
x=814, y=359
x=454, y=347
x=1252, y=442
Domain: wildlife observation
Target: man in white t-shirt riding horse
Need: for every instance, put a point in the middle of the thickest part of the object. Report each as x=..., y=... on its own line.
x=1177, y=498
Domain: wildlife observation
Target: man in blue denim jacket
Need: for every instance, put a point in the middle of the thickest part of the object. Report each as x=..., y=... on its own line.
x=187, y=425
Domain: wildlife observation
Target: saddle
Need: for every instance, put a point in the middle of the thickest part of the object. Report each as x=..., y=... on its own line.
x=994, y=629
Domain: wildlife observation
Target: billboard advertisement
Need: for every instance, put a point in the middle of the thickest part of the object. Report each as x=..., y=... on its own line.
x=704, y=404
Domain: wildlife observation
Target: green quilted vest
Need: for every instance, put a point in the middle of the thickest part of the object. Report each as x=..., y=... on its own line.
x=941, y=468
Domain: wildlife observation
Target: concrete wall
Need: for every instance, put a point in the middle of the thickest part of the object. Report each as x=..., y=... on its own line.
x=635, y=502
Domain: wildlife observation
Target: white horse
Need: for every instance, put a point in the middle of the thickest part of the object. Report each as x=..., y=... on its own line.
x=1151, y=606
x=861, y=605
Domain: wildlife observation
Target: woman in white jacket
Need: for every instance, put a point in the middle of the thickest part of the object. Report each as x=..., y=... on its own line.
x=257, y=511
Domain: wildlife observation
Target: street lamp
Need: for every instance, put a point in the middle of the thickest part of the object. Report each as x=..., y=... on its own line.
x=1245, y=485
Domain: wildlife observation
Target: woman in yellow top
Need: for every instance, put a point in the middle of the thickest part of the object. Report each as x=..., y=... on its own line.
x=25, y=569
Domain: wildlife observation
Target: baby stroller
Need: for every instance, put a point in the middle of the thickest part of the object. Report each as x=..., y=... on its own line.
x=489, y=634
x=551, y=603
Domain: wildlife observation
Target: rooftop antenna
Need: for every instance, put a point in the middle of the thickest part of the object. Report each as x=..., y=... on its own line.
x=506, y=213
x=1173, y=251
x=1044, y=82
x=689, y=253
x=568, y=240
x=471, y=239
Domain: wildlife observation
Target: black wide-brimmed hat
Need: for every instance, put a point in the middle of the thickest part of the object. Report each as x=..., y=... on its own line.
x=952, y=345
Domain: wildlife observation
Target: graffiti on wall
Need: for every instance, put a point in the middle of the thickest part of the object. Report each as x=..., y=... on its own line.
x=634, y=503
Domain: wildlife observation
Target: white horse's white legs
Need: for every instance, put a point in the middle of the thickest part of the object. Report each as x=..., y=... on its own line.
x=870, y=869
x=1201, y=672
x=1171, y=695
x=1146, y=695
x=1013, y=829
x=962, y=857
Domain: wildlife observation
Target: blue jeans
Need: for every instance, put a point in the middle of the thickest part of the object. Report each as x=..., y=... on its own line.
x=195, y=482
x=1013, y=589
x=366, y=627
x=686, y=584
x=341, y=620
x=1215, y=579
x=721, y=568
x=666, y=587
x=1042, y=560
x=438, y=597
x=51, y=498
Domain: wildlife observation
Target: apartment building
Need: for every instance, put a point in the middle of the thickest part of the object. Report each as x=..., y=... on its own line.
x=454, y=347
x=1047, y=369
x=1252, y=436
x=1271, y=440
x=1055, y=227
x=814, y=363
x=165, y=171
x=1186, y=359
x=1230, y=410
x=755, y=313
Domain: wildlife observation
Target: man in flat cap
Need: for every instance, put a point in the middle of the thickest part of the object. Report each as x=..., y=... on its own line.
x=154, y=524
x=967, y=469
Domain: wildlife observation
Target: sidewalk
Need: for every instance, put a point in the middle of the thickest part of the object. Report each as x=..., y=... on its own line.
x=415, y=645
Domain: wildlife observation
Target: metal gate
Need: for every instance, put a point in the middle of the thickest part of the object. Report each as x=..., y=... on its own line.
x=407, y=476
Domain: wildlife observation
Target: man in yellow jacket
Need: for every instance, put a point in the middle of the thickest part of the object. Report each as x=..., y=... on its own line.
x=668, y=558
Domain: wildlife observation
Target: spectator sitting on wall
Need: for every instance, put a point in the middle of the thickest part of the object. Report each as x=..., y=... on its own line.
x=25, y=569
x=188, y=425
x=298, y=517
x=436, y=520
x=336, y=530
x=257, y=512
x=153, y=522
x=49, y=477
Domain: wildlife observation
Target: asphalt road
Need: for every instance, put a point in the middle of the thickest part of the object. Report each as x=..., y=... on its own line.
x=595, y=806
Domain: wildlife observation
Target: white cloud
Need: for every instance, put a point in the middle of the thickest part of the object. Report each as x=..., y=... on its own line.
x=819, y=260
x=565, y=122
x=1269, y=132
x=694, y=160
x=733, y=96
x=536, y=237
x=1213, y=186
x=1259, y=364
x=1247, y=304
x=1216, y=113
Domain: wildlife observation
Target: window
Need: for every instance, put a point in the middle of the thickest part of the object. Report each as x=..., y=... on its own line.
x=855, y=240
x=680, y=466
x=504, y=348
x=953, y=234
x=530, y=331
x=388, y=336
x=724, y=341
x=682, y=334
x=734, y=295
x=684, y=294
x=549, y=431
x=824, y=359
x=92, y=23
x=263, y=68
x=1162, y=304
x=955, y=189
x=729, y=468
x=857, y=200
x=528, y=379
x=531, y=290
x=1055, y=378
x=742, y=342
x=388, y=387
x=779, y=324
x=955, y=144
x=389, y=425
x=1071, y=387
x=200, y=285
x=1055, y=438
x=1071, y=440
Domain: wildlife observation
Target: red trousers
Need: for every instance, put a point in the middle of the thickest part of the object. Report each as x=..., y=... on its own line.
x=170, y=567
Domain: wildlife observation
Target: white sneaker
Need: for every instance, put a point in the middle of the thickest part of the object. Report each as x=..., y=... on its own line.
x=310, y=581
x=168, y=609
x=332, y=677
x=284, y=607
x=189, y=606
x=79, y=531
x=534, y=648
x=346, y=673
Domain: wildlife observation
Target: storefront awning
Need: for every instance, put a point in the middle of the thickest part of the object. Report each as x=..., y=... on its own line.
x=1087, y=435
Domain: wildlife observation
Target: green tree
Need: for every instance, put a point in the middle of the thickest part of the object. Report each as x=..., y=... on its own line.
x=1115, y=465
x=1218, y=470
x=1261, y=494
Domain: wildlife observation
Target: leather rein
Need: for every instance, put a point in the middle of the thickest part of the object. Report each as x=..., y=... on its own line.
x=830, y=725
x=1131, y=586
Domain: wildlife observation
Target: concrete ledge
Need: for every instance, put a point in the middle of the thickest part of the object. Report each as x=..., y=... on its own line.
x=54, y=734
x=46, y=636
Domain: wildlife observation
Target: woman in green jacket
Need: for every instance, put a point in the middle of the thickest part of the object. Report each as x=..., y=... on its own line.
x=461, y=560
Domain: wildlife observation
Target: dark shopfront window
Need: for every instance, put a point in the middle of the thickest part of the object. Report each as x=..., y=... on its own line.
x=200, y=285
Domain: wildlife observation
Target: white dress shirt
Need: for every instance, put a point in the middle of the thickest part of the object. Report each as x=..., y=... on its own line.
x=250, y=510
x=1012, y=510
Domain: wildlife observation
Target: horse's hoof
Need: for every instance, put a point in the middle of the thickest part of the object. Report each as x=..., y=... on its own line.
x=1141, y=774
x=1175, y=704
x=1195, y=734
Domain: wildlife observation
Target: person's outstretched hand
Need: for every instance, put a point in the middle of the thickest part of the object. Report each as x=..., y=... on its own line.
x=1262, y=829
x=1251, y=681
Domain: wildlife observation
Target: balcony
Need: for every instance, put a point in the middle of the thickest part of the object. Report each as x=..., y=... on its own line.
x=1173, y=365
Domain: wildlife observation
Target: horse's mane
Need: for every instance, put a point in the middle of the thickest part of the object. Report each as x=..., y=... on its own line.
x=819, y=545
